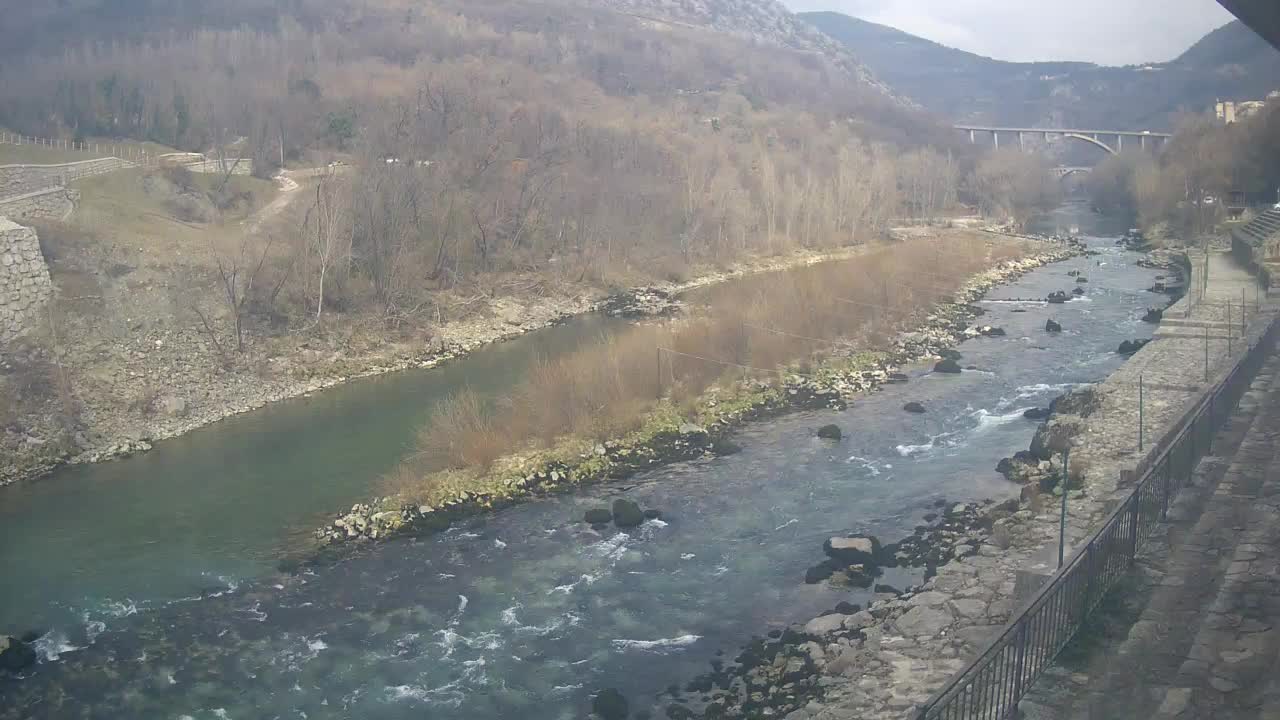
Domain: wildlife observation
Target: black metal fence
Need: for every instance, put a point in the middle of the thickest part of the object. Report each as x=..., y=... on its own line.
x=991, y=686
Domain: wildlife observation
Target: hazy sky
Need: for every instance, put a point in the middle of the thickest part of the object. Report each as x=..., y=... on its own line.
x=1112, y=32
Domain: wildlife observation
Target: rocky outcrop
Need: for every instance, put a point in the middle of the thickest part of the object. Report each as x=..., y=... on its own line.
x=15, y=655
x=25, y=286
x=830, y=432
x=1052, y=326
x=947, y=366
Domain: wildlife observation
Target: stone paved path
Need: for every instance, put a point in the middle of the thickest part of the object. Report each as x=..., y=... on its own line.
x=1205, y=642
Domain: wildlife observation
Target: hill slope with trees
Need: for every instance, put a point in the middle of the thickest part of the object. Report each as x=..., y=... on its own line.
x=1231, y=63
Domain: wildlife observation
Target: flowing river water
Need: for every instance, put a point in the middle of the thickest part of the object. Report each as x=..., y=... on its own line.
x=152, y=578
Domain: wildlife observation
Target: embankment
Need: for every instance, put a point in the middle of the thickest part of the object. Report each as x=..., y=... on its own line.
x=889, y=658
x=669, y=435
x=192, y=389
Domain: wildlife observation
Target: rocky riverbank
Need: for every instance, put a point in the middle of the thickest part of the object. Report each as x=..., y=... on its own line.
x=668, y=436
x=161, y=381
x=885, y=660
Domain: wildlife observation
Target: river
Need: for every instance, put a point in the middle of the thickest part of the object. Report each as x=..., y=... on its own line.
x=524, y=611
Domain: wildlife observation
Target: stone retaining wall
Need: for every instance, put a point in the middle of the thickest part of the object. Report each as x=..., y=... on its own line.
x=18, y=180
x=24, y=280
x=238, y=166
x=51, y=202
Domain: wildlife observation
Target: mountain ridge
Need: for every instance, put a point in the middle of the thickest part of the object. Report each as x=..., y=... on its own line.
x=1231, y=62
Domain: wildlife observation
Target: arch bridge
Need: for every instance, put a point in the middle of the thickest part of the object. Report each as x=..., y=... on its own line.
x=1145, y=138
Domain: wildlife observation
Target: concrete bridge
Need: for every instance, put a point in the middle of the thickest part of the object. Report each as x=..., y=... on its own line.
x=1093, y=137
x=1063, y=171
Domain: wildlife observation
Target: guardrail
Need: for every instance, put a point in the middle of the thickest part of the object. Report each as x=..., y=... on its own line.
x=991, y=686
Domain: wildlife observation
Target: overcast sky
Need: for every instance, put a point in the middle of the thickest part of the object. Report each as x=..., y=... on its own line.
x=1111, y=32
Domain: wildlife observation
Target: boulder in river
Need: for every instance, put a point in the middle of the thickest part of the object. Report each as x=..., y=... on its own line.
x=859, y=550
x=830, y=432
x=1052, y=326
x=723, y=446
x=1078, y=291
x=1082, y=279
x=610, y=704
x=626, y=513
x=1129, y=347
x=1154, y=315
x=653, y=514
x=949, y=355
x=1057, y=297
x=897, y=377
x=947, y=366
x=15, y=655
x=597, y=516
x=1037, y=414
x=1073, y=273
x=914, y=407
x=992, y=331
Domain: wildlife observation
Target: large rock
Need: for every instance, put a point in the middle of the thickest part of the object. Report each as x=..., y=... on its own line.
x=825, y=625
x=1129, y=347
x=830, y=432
x=1052, y=438
x=1057, y=297
x=627, y=513
x=609, y=704
x=914, y=407
x=992, y=331
x=947, y=366
x=15, y=655
x=1037, y=414
x=1154, y=315
x=862, y=550
x=597, y=516
x=924, y=620
x=1052, y=326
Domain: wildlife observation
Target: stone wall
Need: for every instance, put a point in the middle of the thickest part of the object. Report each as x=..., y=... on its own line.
x=18, y=180
x=53, y=202
x=24, y=280
x=238, y=166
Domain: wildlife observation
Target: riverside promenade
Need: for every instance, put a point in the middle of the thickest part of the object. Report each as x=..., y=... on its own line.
x=1193, y=632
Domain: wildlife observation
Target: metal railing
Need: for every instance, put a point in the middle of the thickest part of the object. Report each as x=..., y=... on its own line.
x=991, y=686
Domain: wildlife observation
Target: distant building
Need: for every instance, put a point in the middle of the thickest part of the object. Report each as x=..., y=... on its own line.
x=1230, y=111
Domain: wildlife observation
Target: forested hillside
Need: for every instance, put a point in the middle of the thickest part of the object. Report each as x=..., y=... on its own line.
x=1229, y=63
x=529, y=132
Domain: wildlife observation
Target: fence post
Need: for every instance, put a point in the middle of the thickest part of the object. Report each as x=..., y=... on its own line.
x=1062, y=519
x=1135, y=513
x=1141, y=423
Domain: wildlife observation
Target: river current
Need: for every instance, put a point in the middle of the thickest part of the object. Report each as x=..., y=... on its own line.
x=526, y=611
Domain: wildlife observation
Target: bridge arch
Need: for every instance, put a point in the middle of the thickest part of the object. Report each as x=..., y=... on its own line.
x=1077, y=136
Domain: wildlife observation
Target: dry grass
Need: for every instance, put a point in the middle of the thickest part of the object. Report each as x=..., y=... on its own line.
x=751, y=327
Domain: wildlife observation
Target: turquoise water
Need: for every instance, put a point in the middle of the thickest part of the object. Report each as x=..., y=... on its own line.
x=527, y=611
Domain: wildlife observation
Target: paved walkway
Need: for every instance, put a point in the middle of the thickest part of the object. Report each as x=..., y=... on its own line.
x=1203, y=641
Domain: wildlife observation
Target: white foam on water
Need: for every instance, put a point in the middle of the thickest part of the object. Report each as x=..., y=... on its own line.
x=498, y=543
x=687, y=556
x=786, y=524
x=220, y=713
x=659, y=645
x=448, y=695
x=50, y=646
x=720, y=570
x=910, y=450
x=446, y=576
x=509, y=615
x=868, y=465
x=93, y=628
x=462, y=604
x=987, y=419
x=565, y=688
x=657, y=523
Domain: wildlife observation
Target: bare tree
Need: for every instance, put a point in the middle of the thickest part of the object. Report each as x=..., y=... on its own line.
x=329, y=228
